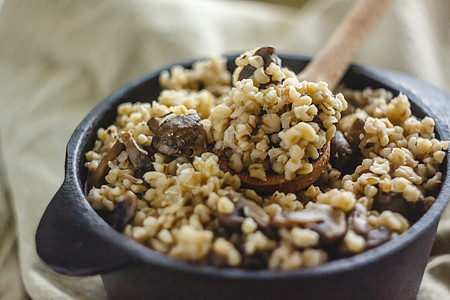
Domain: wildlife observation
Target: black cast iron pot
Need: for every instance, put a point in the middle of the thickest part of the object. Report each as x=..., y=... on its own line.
x=72, y=239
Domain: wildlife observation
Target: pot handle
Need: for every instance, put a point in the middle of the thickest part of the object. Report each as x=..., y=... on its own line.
x=73, y=240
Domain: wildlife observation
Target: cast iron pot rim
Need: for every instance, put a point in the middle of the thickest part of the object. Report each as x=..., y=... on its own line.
x=143, y=254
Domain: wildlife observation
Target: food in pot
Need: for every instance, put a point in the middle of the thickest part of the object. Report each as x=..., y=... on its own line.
x=155, y=173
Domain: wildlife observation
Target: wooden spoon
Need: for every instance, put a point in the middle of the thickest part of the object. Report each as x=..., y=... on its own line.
x=277, y=182
x=332, y=61
x=329, y=65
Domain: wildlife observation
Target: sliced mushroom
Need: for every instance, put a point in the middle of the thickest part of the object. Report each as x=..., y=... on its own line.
x=253, y=261
x=246, y=72
x=269, y=56
x=389, y=201
x=341, y=151
x=358, y=220
x=232, y=221
x=153, y=124
x=353, y=134
x=133, y=179
x=250, y=209
x=97, y=178
x=243, y=208
x=301, y=217
x=377, y=236
x=395, y=202
x=125, y=211
x=345, y=152
x=331, y=228
x=137, y=155
x=180, y=136
x=328, y=222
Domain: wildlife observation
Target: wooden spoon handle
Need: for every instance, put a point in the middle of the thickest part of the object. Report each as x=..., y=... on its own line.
x=331, y=63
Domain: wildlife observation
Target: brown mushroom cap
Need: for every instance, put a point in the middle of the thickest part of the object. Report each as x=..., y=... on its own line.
x=180, y=136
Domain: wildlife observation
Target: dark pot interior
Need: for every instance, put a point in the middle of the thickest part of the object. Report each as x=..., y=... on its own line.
x=72, y=239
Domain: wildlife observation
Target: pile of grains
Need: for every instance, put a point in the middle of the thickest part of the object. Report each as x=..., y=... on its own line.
x=155, y=174
x=182, y=86
x=271, y=122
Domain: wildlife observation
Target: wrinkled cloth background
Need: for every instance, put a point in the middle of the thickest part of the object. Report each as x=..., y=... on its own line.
x=58, y=59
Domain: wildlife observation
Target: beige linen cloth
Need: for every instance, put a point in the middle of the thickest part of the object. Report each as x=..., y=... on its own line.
x=58, y=59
